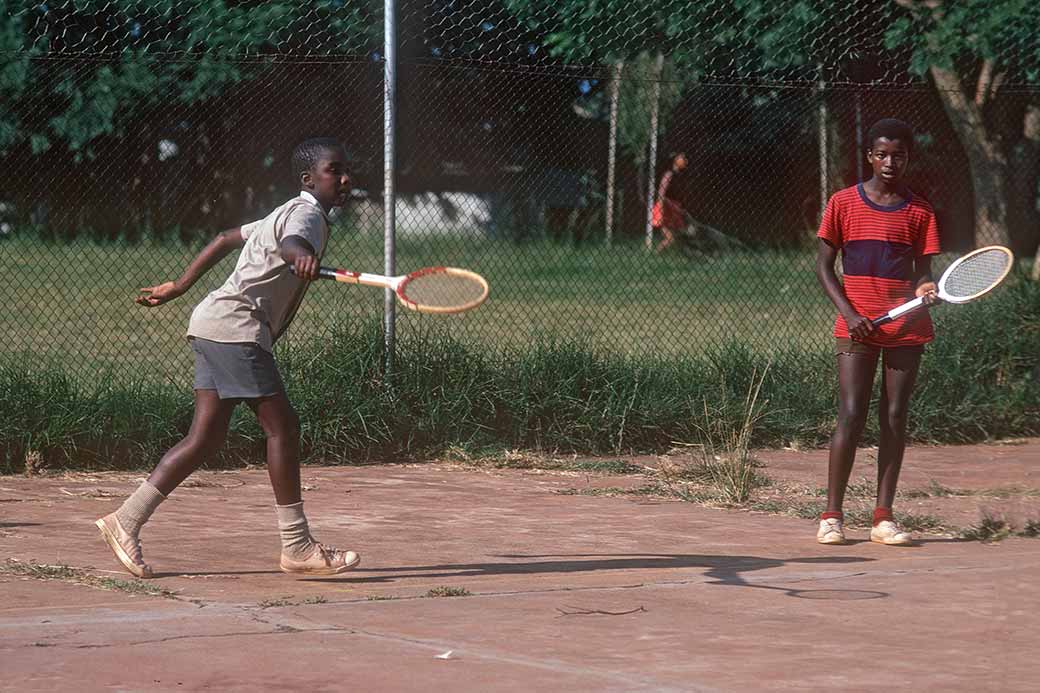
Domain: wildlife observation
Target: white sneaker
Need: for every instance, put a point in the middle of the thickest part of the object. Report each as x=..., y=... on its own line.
x=831, y=531
x=126, y=546
x=888, y=532
x=323, y=560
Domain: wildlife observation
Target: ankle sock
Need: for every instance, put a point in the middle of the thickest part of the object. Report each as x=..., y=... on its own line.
x=136, y=509
x=882, y=514
x=292, y=526
x=832, y=515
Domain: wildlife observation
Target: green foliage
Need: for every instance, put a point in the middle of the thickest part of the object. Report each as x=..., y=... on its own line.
x=986, y=353
x=634, y=103
x=602, y=32
x=46, y=413
x=134, y=56
x=978, y=382
x=724, y=39
x=946, y=33
x=990, y=529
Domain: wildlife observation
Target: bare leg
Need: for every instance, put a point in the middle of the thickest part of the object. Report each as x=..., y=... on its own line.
x=282, y=427
x=668, y=237
x=898, y=376
x=855, y=380
x=206, y=436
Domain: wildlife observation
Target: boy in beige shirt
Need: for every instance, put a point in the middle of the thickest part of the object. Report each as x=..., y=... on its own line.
x=232, y=333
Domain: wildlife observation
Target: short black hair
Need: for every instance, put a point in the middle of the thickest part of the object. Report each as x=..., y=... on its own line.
x=891, y=129
x=308, y=153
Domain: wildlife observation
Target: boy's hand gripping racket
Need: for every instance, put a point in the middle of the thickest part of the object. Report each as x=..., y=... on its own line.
x=427, y=290
x=968, y=278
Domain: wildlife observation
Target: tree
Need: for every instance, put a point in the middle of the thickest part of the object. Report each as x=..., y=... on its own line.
x=973, y=51
x=648, y=37
x=89, y=88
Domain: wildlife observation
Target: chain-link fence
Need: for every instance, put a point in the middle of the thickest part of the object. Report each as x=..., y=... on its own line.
x=532, y=138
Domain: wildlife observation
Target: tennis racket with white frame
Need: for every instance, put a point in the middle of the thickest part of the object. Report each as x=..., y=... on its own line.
x=968, y=278
x=427, y=290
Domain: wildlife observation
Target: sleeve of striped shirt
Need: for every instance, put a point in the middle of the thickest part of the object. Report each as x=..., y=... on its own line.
x=927, y=241
x=830, y=225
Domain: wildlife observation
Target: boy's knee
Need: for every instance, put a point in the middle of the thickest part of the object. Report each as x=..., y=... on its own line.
x=895, y=416
x=852, y=417
x=285, y=426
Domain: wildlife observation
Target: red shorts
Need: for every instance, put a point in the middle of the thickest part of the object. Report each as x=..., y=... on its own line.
x=668, y=214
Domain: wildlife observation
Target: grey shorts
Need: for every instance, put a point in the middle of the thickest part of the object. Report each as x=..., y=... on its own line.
x=235, y=370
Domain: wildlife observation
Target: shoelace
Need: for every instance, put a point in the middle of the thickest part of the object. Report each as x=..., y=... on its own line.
x=329, y=552
x=833, y=527
x=136, y=554
x=894, y=528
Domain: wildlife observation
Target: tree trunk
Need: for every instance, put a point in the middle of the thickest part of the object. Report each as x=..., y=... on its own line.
x=1025, y=177
x=987, y=164
x=651, y=165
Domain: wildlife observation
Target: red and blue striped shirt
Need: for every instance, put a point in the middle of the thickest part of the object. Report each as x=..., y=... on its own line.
x=878, y=247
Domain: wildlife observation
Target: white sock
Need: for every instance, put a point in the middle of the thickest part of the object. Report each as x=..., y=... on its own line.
x=292, y=525
x=136, y=509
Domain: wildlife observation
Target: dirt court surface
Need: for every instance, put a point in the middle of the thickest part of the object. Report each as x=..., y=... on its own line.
x=560, y=590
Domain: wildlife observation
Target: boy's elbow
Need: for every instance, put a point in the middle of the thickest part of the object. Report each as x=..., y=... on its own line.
x=824, y=272
x=231, y=239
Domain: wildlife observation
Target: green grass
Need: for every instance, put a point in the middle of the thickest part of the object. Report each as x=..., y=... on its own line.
x=992, y=528
x=64, y=573
x=1031, y=529
x=989, y=529
x=854, y=518
x=514, y=459
x=446, y=591
x=645, y=490
x=113, y=391
x=74, y=300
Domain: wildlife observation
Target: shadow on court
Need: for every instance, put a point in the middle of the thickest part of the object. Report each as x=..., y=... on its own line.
x=725, y=570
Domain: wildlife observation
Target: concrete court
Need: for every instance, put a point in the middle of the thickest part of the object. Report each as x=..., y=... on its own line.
x=566, y=592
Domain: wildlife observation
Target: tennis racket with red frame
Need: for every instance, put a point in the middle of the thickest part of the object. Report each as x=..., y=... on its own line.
x=427, y=290
x=968, y=278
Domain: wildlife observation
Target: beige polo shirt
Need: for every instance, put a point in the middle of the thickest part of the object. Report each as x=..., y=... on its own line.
x=260, y=298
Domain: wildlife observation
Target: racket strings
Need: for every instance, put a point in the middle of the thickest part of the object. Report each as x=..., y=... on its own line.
x=976, y=274
x=444, y=291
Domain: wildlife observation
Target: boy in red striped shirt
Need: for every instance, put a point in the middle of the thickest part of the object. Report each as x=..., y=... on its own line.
x=887, y=235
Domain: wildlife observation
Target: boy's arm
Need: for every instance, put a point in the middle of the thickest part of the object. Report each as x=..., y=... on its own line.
x=298, y=252
x=924, y=285
x=213, y=253
x=666, y=180
x=826, y=254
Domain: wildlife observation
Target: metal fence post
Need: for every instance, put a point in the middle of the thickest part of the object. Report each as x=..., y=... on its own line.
x=389, y=165
x=821, y=129
x=651, y=164
x=615, y=88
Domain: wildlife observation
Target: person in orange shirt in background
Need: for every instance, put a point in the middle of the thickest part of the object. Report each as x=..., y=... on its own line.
x=668, y=214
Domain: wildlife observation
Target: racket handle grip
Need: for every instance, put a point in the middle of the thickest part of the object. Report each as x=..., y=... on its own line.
x=884, y=319
x=323, y=272
x=898, y=310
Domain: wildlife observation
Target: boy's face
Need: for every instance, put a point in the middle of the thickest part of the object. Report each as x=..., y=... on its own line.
x=328, y=181
x=888, y=159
